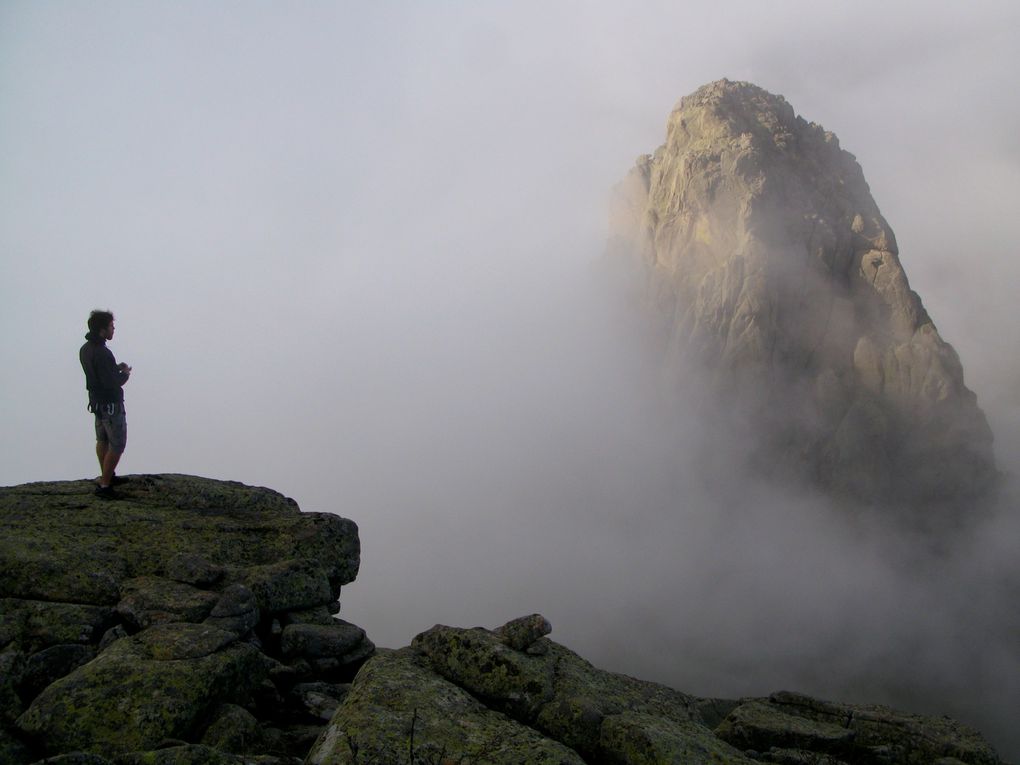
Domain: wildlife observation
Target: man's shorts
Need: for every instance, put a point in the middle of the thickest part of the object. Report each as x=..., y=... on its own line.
x=111, y=426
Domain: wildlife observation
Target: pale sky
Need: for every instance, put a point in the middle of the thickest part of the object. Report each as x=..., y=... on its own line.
x=349, y=247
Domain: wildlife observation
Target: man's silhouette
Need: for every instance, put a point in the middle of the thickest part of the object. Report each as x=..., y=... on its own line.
x=105, y=379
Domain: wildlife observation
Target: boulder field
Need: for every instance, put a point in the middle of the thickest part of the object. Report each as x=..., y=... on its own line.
x=196, y=621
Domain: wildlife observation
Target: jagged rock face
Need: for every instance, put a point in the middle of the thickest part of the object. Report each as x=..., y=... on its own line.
x=772, y=271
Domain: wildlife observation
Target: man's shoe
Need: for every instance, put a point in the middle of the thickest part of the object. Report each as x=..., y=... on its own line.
x=106, y=492
x=118, y=480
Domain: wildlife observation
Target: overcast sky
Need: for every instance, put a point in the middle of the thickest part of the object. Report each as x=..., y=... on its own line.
x=350, y=250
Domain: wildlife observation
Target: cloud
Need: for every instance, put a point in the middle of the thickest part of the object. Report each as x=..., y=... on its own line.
x=350, y=255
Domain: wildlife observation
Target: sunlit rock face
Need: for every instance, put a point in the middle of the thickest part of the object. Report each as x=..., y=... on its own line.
x=775, y=278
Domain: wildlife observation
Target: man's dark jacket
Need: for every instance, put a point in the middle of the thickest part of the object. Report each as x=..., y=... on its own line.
x=102, y=377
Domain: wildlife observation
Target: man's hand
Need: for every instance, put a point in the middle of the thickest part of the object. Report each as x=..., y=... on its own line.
x=124, y=368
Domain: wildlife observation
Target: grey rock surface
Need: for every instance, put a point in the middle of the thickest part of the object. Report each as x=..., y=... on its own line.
x=51, y=664
x=320, y=700
x=596, y=713
x=236, y=610
x=34, y=625
x=234, y=729
x=12, y=668
x=159, y=684
x=290, y=585
x=523, y=634
x=149, y=600
x=398, y=710
x=853, y=732
x=191, y=568
x=319, y=641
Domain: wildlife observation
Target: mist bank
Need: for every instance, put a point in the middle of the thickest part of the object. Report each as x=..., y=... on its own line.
x=514, y=472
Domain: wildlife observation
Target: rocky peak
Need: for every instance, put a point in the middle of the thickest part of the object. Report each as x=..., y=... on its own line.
x=736, y=109
x=769, y=267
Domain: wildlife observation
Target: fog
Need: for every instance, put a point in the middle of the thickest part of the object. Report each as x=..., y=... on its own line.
x=354, y=252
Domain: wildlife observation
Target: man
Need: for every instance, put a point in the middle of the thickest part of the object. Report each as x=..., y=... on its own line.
x=105, y=379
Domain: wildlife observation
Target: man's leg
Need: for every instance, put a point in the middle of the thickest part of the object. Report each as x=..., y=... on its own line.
x=110, y=461
x=101, y=450
x=102, y=445
x=114, y=429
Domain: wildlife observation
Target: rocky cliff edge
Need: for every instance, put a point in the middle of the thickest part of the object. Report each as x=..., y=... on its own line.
x=191, y=612
x=194, y=622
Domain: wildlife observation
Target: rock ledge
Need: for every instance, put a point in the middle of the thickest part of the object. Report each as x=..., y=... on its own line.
x=180, y=613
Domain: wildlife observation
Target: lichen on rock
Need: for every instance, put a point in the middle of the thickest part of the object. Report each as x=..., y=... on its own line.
x=855, y=732
x=435, y=689
x=157, y=685
x=130, y=624
x=399, y=710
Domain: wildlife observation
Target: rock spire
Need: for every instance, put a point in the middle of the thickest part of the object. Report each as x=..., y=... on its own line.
x=769, y=267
